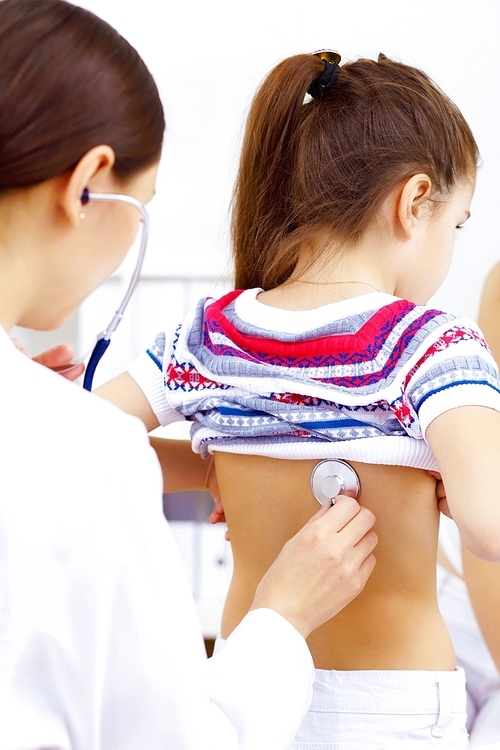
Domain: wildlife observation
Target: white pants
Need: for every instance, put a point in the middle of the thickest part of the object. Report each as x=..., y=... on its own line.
x=378, y=710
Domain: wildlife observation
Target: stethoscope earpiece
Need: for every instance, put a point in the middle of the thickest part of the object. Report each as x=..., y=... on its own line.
x=331, y=477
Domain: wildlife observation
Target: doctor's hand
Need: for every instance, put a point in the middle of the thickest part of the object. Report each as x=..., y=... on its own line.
x=322, y=568
x=58, y=358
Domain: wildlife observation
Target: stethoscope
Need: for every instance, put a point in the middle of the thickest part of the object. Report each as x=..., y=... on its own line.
x=331, y=477
x=103, y=339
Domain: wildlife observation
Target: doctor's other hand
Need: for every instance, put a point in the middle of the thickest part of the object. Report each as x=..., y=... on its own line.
x=322, y=568
x=58, y=358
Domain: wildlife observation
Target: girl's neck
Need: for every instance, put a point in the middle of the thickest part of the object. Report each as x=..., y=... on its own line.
x=354, y=273
x=348, y=284
x=331, y=272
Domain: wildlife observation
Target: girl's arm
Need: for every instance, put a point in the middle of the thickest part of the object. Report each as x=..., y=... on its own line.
x=483, y=584
x=489, y=312
x=124, y=392
x=182, y=469
x=185, y=470
x=483, y=578
x=466, y=444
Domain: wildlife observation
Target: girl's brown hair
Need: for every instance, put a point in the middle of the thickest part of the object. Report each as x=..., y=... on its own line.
x=68, y=82
x=322, y=169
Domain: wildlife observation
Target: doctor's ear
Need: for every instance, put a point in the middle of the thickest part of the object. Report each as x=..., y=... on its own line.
x=413, y=203
x=93, y=172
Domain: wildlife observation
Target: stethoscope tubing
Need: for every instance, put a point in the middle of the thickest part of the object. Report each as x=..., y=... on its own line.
x=100, y=347
x=104, y=338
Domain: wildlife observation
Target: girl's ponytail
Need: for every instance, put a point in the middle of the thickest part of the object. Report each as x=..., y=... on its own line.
x=262, y=206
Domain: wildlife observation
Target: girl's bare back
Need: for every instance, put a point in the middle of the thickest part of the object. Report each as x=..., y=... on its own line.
x=395, y=622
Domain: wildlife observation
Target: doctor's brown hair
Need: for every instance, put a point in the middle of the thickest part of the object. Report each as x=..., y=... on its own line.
x=319, y=171
x=69, y=82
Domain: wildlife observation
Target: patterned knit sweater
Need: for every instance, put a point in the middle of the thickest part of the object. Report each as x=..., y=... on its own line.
x=359, y=379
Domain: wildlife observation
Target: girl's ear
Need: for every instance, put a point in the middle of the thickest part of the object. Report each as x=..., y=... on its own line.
x=413, y=202
x=94, y=169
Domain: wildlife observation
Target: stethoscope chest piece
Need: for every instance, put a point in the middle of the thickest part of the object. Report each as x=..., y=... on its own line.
x=331, y=477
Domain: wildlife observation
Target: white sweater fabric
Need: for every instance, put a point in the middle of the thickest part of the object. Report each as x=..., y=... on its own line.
x=359, y=379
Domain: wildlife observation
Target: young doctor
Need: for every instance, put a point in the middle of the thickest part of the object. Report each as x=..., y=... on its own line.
x=99, y=643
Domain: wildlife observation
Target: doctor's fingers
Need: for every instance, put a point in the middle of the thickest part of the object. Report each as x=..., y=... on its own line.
x=342, y=515
x=364, y=571
x=58, y=358
x=343, y=534
x=356, y=542
x=353, y=545
x=360, y=529
x=349, y=536
x=363, y=552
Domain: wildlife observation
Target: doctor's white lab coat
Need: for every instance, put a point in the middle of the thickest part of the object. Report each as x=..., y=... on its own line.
x=100, y=648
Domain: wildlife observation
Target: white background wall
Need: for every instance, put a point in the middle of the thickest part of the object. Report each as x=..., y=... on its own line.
x=208, y=57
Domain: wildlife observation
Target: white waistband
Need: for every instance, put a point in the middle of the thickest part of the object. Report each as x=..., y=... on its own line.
x=373, y=691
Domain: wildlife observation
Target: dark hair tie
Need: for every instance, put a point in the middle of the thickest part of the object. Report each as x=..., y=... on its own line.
x=320, y=87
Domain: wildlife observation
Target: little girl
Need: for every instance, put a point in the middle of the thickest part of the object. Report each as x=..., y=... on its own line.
x=352, y=183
